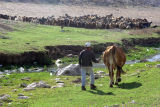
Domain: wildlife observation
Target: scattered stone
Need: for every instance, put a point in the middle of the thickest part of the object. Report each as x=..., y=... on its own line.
x=28, y=89
x=40, y=84
x=133, y=102
x=20, y=94
x=70, y=55
x=14, y=90
x=9, y=103
x=26, y=78
x=58, y=63
x=5, y=98
x=23, y=85
x=1, y=73
x=58, y=85
x=78, y=80
x=101, y=72
x=158, y=65
x=0, y=86
x=1, y=104
x=2, y=76
x=32, y=85
x=71, y=70
x=57, y=79
x=21, y=70
x=23, y=97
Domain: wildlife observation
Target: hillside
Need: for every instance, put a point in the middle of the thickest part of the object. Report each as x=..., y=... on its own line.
x=98, y=2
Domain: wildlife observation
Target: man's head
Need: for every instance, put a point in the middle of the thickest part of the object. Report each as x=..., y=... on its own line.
x=88, y=45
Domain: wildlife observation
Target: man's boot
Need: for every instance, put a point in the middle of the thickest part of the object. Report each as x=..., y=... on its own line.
x=83, y=88
x=93, y=87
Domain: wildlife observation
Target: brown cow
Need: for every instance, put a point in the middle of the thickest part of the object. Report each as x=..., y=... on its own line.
x=114, y=58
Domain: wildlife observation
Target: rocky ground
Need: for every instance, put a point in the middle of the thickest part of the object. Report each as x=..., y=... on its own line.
x=40, y=10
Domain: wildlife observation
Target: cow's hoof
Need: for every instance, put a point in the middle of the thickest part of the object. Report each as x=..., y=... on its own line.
x=116, y=83
x=119, y=79
x=111, y=85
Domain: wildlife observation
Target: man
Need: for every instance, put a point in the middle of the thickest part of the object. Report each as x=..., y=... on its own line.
x=86, y=58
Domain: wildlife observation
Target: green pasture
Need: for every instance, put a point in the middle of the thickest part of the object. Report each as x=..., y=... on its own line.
x=34, y=37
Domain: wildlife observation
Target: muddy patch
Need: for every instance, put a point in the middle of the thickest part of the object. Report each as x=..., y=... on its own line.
x=55, y=52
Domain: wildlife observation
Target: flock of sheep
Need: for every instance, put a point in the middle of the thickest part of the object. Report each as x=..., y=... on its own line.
x=86, y=21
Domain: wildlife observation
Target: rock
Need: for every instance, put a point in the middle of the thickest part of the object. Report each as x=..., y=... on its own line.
x=40, y=84
x=20, y=94
x=71, y=70
x=2, y=76
x=101, y=72
x=14, y=90
x=21, y=70
x=58, y=85
x=57, y=79
x=28, y=89
x=32, y=85
x=158, y=65
x=23, y=85
x=0, y=86
x=58, y=63
x=1, y=73
x=70, y=55
x=1, y=104
x=132, y=102
x=5, y=98
x=26, y=78
x=23, y=97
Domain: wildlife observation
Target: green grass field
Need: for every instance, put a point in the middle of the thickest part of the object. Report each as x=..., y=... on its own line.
x=32, y=37
x=140, y=85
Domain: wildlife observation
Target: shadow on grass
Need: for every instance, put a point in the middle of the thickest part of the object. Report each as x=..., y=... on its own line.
x=131, y=85
x=100, y=92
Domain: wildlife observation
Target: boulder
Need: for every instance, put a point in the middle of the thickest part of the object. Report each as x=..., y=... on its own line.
x=40, y=84
x=158, y=65
x=20, y=94
x=5, y=98
x=70, y=70
x=23, y=97
x=28, y=89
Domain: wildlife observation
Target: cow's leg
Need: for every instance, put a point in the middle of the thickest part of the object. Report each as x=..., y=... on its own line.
x=111, y=75
x=118, y=75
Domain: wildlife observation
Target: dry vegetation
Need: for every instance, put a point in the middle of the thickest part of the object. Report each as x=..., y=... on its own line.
x=40, y=10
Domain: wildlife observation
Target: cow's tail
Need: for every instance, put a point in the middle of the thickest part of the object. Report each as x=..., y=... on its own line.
x=114, y=60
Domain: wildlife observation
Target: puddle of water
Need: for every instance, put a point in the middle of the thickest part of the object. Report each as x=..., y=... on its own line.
x=154, y=58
